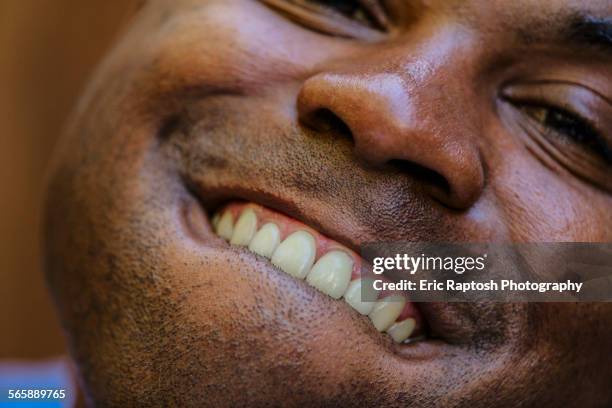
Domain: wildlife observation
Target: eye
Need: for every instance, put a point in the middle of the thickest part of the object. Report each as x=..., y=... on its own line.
x=565, y=123
x=573, y=117
x=360, y=19
x=355, y=10
x=570, y=126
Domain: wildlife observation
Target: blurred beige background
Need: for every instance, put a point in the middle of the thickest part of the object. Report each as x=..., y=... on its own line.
x=48, y=49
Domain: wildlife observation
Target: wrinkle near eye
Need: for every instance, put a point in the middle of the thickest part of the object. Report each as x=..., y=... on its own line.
x=561, y=155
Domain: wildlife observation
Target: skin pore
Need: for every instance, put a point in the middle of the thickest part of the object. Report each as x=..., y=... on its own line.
x=437, y=121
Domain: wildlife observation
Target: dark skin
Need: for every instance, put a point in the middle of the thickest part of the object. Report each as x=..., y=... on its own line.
x=462, y=121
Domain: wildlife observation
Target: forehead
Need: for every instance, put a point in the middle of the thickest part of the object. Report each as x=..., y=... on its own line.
x=529, y=20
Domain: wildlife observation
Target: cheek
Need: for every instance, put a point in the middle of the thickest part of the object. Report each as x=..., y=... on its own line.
x=551, y=205
x=239, y=321
x=239, y=46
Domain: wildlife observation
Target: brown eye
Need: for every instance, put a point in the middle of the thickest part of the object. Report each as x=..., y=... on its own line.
x=346, y=7
x=353, y=10
x=569, y=115
x=360, y=19
x=571, y=126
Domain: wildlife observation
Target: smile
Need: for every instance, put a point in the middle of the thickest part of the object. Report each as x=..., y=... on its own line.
x=324, y=264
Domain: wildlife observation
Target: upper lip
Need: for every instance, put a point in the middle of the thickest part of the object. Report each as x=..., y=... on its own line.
x=213, y=199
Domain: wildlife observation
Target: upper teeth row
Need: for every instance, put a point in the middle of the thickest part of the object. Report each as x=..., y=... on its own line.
x=331, y=273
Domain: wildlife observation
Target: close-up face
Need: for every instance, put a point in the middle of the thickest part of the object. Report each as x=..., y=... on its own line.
x=227, y=154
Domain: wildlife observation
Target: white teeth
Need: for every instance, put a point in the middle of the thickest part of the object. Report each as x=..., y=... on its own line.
x=245, y=228
x=332, y=273
x=400, y=331
x=386, y=311
x=225, y=229
x=215, y=221
x=296, y=254
x=266, y=240
x=353, y=295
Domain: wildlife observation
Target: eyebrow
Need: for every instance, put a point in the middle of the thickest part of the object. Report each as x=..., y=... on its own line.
x=591, y=32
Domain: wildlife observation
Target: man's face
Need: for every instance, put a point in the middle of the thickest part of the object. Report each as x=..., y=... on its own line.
x=435, y=121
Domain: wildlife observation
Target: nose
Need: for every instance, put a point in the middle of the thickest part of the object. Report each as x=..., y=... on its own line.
x=392, y=123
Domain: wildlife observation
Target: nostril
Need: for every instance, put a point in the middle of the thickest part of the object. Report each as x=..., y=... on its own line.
x=324, y=120
x=426, y=176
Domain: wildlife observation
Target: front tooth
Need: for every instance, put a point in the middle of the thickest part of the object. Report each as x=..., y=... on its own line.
x=245, y=228
x=296, y=254
x=225, y=229
x=266, y=240
x=332, y=273
x=353, y=295
x=386, y=311
x=400, y=331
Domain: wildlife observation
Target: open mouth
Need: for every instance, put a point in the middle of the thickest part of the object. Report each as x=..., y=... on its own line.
x=326, y=265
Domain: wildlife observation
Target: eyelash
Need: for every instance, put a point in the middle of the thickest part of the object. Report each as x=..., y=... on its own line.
x=569, y=125
x=347, y=8
x=366, y=14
